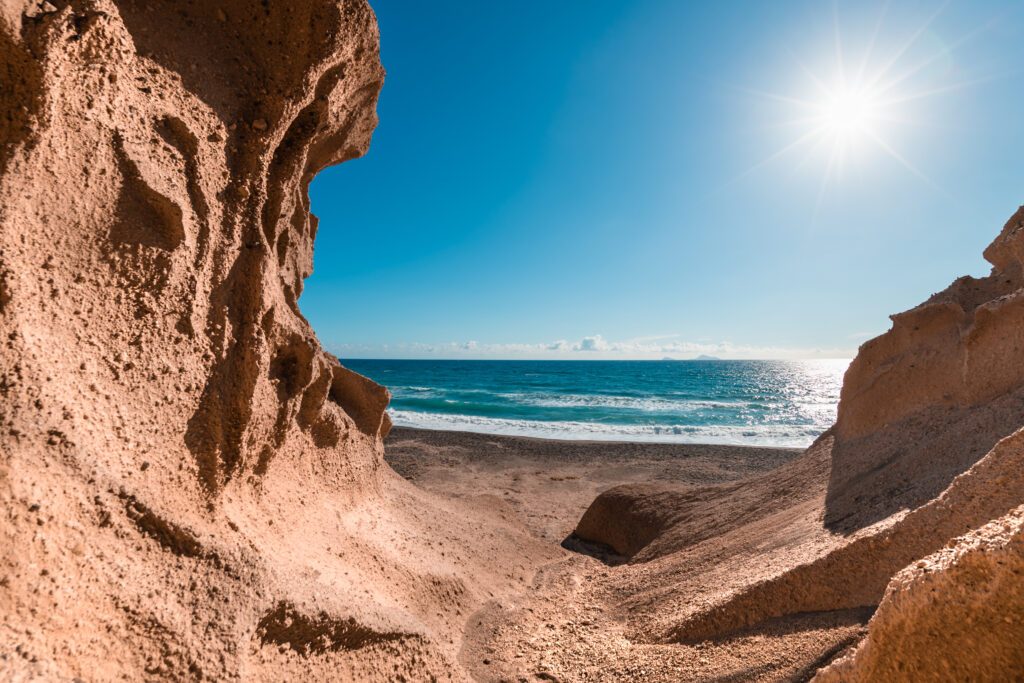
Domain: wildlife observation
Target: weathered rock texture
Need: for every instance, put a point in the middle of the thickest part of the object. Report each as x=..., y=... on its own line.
x=928, y=445
x=953, y=616
x=923, y=402
x=190, y=486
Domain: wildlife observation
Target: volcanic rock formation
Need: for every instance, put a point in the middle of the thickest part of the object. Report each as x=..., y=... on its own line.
x=191, y=487
x=953, y=616
x=927, y=447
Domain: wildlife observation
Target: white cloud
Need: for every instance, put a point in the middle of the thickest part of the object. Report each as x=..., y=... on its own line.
x=595, y=343
x=589, y=347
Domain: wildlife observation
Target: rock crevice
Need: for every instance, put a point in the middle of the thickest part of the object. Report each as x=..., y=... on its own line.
x=155, y=233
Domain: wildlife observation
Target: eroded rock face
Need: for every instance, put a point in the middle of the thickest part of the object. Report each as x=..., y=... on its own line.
x=161, y=186
x=191, y=486
x=928, y=446
x=955, y=615
x=155, y=238
x=927, y=399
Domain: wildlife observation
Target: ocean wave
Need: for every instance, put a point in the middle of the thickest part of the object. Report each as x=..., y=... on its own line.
x=640, y=403
x=794, y=436
x=413, y=390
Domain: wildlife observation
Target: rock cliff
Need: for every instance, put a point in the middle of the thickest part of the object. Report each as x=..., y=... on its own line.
x=927, y=450
x=191, y=487
x=925, y=401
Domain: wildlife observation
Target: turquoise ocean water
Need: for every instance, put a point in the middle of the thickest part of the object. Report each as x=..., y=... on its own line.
x=778, y=403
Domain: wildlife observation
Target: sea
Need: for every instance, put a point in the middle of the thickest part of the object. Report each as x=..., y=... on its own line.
x=745, y=402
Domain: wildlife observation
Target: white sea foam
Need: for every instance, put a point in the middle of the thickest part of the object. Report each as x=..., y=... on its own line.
x=797, y=436
x=645, y=404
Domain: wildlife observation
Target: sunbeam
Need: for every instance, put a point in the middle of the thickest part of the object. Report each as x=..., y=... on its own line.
x=857, y=105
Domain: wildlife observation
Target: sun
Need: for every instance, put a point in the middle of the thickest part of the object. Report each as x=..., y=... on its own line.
x=855, y=107
x=850, y=114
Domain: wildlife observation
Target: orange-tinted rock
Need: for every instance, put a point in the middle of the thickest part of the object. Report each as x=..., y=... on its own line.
x=957, y=615
x=924, y=401
x=928, y=445
x=191, y=487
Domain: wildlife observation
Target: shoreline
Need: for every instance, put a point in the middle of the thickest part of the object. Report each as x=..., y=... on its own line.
x=690, y=435
x=406, y=431
x=549, y=483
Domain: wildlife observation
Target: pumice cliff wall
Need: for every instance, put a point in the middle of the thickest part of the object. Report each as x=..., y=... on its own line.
x=923, y=402
x=157, y=180
x=928, y=474
x=191, y=487
x=903, y=518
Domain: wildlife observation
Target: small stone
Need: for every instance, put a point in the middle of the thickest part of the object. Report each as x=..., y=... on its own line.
x=259, y=124
x=144, y=466
x=221, y=17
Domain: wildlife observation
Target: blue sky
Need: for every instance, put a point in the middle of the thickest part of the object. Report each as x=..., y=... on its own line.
x=589, y=179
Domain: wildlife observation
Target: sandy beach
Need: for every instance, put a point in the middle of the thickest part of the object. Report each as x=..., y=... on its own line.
x=550, y=483
x=588, y=613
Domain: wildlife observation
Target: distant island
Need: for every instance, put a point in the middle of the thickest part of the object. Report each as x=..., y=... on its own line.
x=706, y=357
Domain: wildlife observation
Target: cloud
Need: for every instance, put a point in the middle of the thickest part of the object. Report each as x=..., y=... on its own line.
x=593, y=346
x=595, y=343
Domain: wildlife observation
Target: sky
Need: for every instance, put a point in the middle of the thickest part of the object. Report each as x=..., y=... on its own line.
x=648, y=179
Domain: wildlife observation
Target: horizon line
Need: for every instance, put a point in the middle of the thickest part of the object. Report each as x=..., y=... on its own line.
x=592, y=360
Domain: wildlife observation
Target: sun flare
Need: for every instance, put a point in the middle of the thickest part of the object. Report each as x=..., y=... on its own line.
x=856, y=107
x=848, y=114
